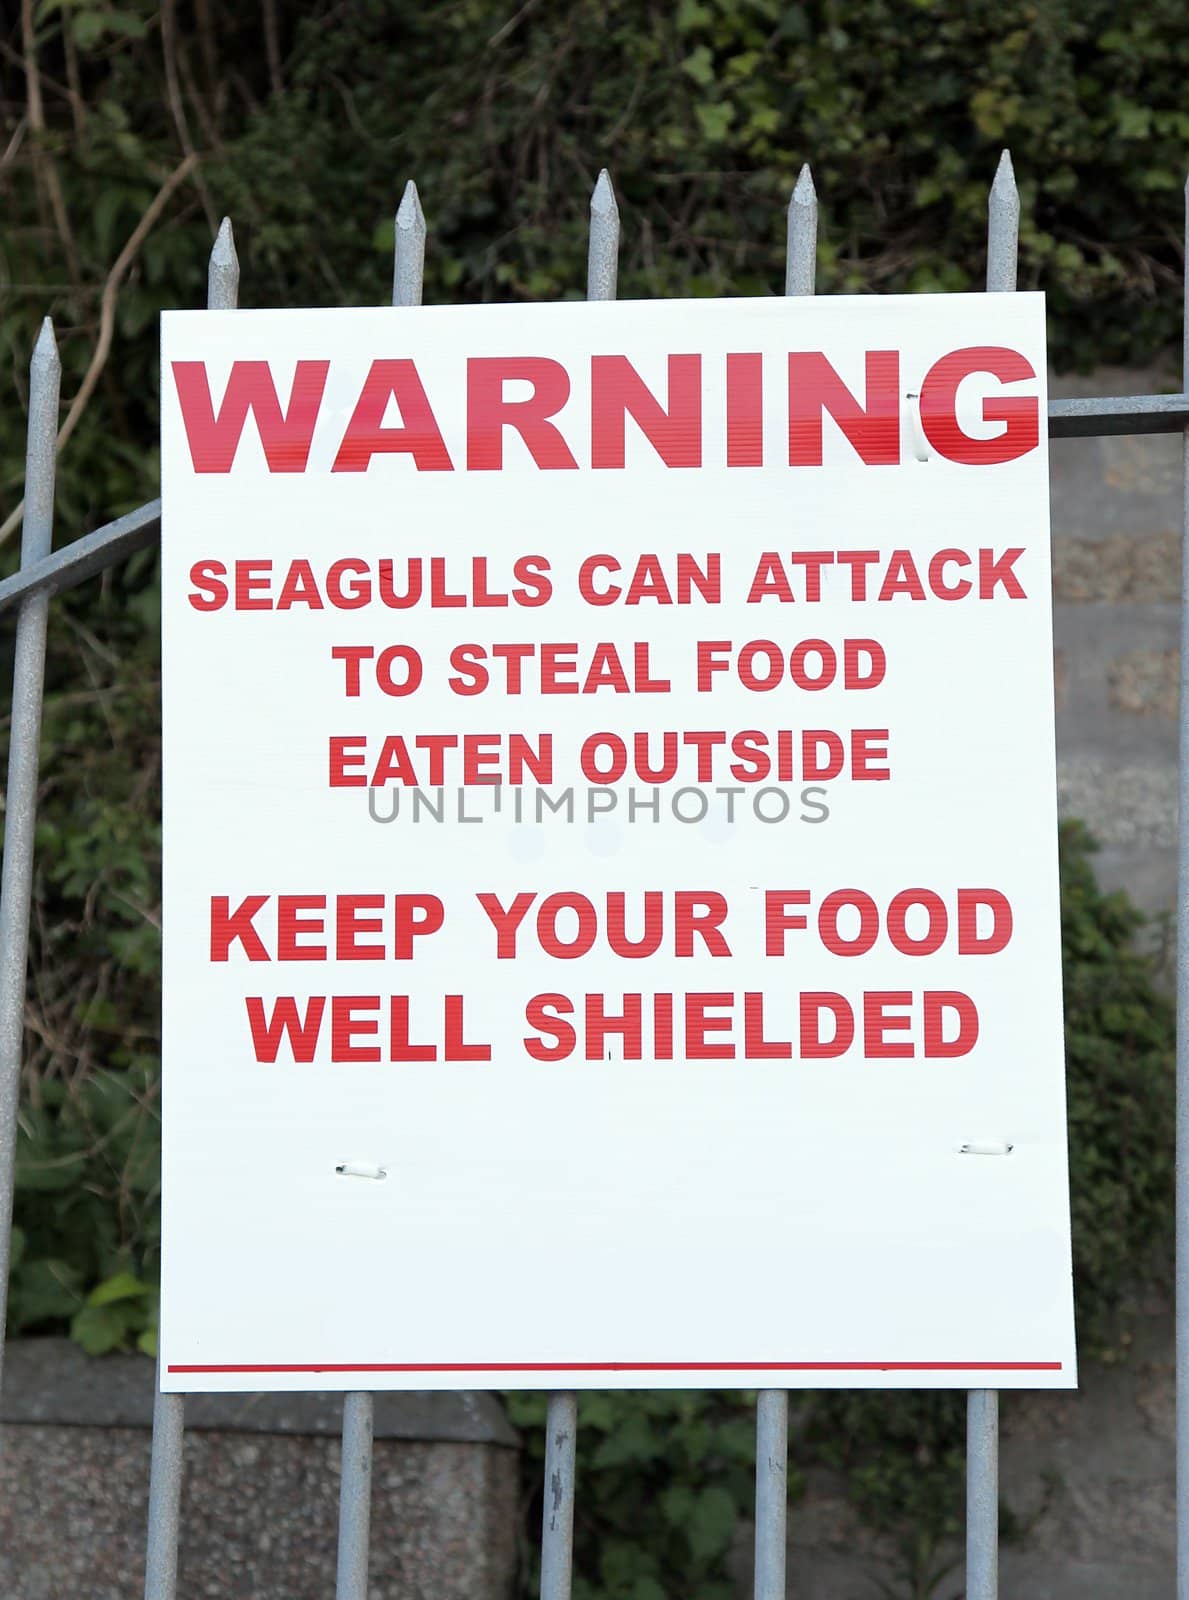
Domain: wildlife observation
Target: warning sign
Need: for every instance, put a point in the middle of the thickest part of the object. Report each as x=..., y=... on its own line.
x=610, y=848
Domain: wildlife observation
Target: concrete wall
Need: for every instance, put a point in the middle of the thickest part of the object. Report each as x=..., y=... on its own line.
x=1088, y=1477
x=260, y=1495
x=1116, y=507
x=1087, y=1480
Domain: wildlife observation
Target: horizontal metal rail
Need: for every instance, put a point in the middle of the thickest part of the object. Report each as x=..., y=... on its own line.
x=76, y=562
x=1128, y=413
x=115, y=541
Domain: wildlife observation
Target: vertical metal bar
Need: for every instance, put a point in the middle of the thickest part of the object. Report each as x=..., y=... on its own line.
x=800, y=269
x=772, y=1449
x=355, y=1485
x=408, y=263
x=165, y=1495
x=355, y=1497
x=561, y=1418
x=1182, y=1117
x=169, y=1410
x=557, y=1523
x=982, y=1405
x=982, y=1494
x=20, y=818
x=772, y=1405
x=408, y=256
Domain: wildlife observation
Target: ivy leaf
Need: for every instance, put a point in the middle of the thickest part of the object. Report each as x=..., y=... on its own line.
x=716, y=119
x=45, y=1289
x=100, y=1329
x=122, y=1286
x=713, y=1523
x=87, y=28
x=699, y=65
x=693, y=14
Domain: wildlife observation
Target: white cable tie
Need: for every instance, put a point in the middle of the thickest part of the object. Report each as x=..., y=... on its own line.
x=359, y=1169
x=986, y=1147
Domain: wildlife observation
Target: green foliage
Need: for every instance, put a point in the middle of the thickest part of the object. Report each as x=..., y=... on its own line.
x=903, y=1455
x=704, y=113
x=703, y=110
x=88, y=1137
x=1119, y=1038
x=118, y=1310
x=665, y=1475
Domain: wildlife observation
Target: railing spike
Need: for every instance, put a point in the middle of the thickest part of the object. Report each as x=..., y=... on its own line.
x=408, y=266
x=409, y=214
x=222, y=278
x=602, y=260
x=804, y=192
x=45, y=379
x=45, y=351
x=1005, y=177
x=800, y=273
x=24, y=743
x=603, y=199
x=1003, y=228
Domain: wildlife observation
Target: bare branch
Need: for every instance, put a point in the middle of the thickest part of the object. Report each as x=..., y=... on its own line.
x=177, y=108
x=43, y=162
x=107, y=315
x=272, y=46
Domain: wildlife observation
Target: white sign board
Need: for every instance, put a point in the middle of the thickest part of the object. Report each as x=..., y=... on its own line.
x=611, y=916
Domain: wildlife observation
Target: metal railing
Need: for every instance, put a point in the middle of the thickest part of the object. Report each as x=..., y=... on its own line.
x=44, y=573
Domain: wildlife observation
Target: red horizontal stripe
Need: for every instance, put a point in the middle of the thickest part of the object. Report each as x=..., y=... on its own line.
x=623, y=1366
